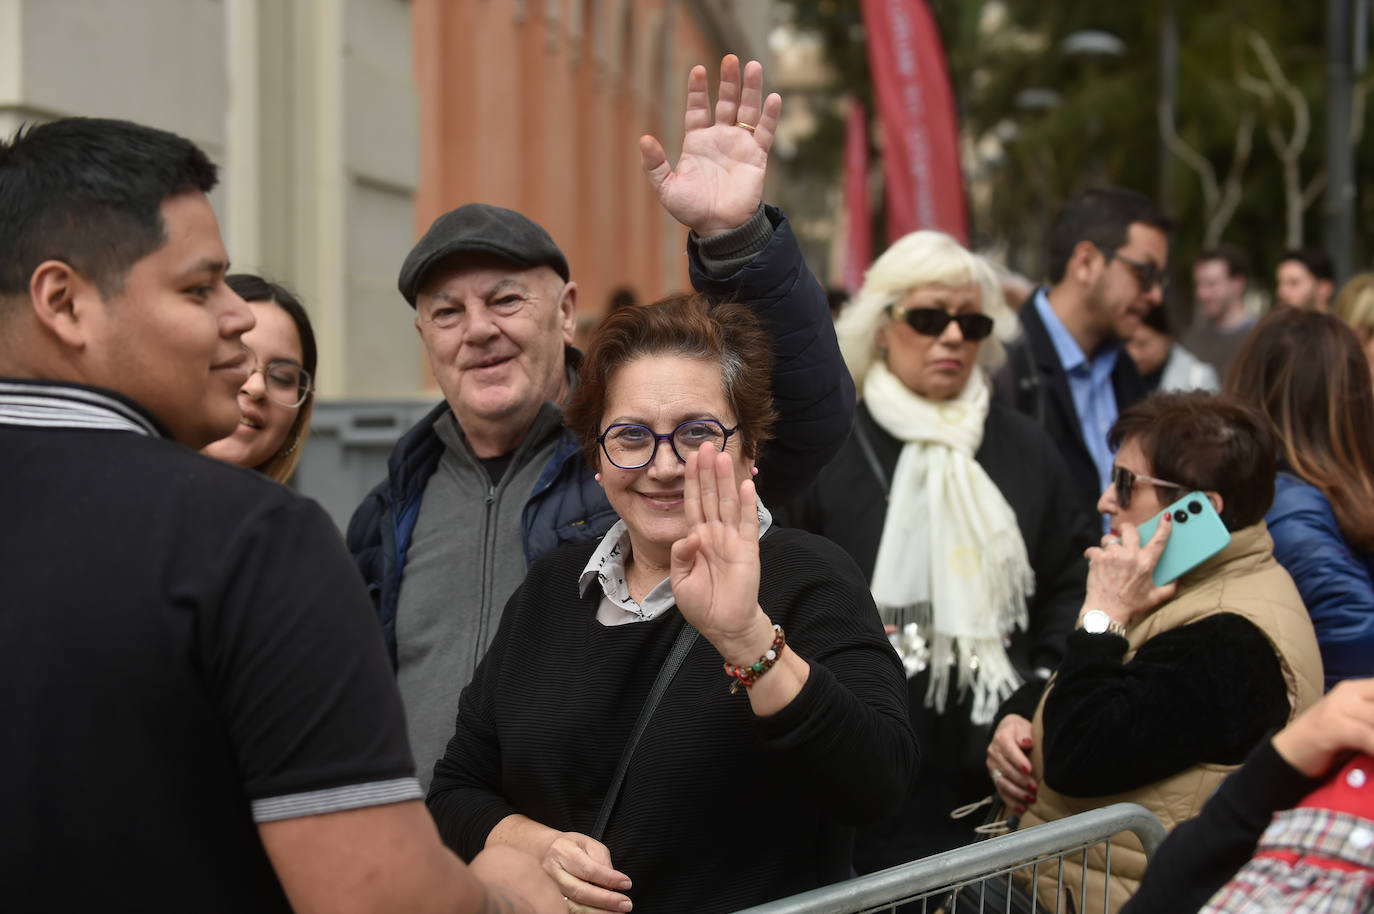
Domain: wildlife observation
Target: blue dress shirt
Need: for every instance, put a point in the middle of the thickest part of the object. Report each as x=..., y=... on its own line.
x=1090, y=383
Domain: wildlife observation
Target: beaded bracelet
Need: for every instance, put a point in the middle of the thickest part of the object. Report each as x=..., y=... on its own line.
x=747, y=675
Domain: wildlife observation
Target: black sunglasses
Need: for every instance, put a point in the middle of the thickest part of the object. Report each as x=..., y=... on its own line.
x=1146, y=273
x=1125, y=481
x=933, y=321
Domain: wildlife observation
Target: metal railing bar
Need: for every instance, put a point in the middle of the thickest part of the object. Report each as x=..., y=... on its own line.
x=974, y=862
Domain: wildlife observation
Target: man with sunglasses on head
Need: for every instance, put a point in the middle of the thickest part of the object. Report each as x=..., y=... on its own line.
x=1108, y=250
x=490, y=480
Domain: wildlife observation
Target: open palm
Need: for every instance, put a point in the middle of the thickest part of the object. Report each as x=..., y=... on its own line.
x=715, y=568
x=718, y=182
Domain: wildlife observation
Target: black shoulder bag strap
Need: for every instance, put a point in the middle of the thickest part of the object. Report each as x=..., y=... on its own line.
x=685, y=639
x=871, y=456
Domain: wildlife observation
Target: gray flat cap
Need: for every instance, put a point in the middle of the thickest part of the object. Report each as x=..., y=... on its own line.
x=482, y=229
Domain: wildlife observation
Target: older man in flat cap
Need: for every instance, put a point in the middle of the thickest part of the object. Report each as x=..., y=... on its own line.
x=489, y=480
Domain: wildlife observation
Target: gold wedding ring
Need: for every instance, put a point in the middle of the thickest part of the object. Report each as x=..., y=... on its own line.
x=749, y=127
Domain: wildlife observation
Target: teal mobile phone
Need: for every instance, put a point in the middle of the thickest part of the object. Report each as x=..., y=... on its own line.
x=1198, y=535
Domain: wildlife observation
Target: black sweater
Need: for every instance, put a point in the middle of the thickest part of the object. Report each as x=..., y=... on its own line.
x=720, y=809
x=1203, y=692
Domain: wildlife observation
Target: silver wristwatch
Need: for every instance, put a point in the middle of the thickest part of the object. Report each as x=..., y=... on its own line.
x=1095, y=622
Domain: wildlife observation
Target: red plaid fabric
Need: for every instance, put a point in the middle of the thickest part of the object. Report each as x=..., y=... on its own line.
x=1309, y=861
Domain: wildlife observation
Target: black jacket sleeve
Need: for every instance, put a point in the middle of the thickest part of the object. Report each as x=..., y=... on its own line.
x=1023, y=701
x=1204, y=853
x=1204, y=692
x=1054, y=545
x=364, y=539
x=812, y=389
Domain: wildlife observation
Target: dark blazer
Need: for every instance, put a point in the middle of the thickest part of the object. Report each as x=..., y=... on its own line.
x=1033, y=382
x=848, y=504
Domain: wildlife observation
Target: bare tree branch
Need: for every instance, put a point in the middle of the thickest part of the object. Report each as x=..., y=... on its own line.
x=1357, y=100
x=1288, y=148
x=1314, y=189
x=1230, y=197
x=1302, y=121
x=1189, y=156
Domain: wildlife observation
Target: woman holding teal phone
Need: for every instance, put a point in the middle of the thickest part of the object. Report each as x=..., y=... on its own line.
x=1196, y=533
x=1167, y=683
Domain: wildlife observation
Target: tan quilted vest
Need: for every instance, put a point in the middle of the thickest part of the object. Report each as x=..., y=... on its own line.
x=1243, y=579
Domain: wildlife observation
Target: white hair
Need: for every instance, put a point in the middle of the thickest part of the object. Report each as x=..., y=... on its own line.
x=923, y=258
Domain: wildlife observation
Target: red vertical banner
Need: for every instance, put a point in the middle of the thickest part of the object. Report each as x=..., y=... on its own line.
x=925, y=185
x=858, y=252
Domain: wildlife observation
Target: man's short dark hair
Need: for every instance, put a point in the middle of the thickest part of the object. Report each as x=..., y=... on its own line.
x=1237, y=264
x=1317, y=262
x=1102, y=215
x=87, y=192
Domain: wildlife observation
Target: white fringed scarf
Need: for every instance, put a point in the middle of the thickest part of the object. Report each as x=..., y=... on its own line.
x=952, y=567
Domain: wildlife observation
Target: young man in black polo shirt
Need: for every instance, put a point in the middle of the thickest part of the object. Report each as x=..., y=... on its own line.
x=197, y=709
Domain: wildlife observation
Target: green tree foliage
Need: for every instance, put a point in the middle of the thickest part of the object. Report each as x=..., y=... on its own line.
x=1105, y=127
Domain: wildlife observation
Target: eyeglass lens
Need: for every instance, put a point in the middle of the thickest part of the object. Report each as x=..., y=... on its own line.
x=286, y=382
x=1146, y=273
x=633, y=446
x=1124, y=480
x=933, y=321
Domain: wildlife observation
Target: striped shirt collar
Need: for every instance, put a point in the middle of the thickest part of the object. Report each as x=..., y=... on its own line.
x=607, y=566
x=56, y=404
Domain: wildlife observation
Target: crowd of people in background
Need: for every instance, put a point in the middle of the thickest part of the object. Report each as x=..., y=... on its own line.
x=766, y=589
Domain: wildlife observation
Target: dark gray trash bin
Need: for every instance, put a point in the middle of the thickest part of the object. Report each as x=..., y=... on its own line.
x=346, y=453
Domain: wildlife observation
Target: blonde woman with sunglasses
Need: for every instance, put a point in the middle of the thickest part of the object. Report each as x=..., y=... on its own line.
x=959, y=510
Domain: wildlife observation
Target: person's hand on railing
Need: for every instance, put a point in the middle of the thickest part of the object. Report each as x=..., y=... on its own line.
x=1009, y=764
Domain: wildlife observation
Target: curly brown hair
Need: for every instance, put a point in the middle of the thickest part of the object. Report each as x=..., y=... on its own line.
x=691, y=327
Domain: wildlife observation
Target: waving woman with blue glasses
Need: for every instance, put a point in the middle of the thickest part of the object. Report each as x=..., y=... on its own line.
x=960, y=512
x=785, y=724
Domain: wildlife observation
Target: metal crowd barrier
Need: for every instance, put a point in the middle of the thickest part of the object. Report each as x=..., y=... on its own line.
x=929, y=883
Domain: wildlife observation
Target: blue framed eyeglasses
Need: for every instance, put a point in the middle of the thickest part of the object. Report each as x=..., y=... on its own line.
x=632, y=447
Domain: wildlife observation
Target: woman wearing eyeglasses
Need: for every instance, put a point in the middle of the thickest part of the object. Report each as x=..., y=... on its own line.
x=1163, y=690
x=786, y=724
x=275, y=401
x=960, y=513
